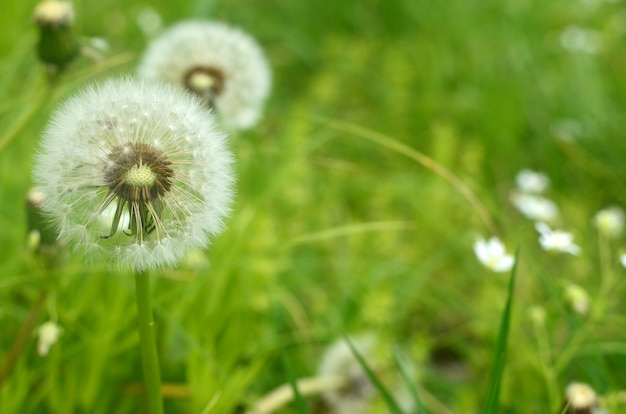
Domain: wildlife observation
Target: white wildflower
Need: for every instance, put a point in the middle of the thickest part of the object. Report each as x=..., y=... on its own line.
x=220, y=63
x=529, y=181
x=492, y=254
x=152, y=154
x=556, y=240
x=48, y=334
x=535, y=207
x=622, y=259
x=610, y=222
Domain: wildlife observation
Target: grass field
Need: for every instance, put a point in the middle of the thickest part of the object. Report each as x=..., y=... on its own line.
x=391, y=141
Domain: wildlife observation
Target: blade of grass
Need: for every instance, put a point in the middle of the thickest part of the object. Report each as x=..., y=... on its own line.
x=299, y=401
x=497, y=369
x=427, y=162
x=389, y=400
x=419, y=407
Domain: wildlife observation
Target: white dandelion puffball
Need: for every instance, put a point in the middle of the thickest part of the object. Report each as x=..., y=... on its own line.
x=339, y=361
x=220, y=63
x=134, y=173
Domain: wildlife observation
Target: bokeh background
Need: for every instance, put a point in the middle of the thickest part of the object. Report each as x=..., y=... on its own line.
x=334, y=233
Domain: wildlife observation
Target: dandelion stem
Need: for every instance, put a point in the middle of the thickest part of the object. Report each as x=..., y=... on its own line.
x=151, y=372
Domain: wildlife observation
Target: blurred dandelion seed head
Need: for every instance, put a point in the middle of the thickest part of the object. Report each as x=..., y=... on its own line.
x=221, y=64
x=339, y=361
x=135, y=173
x=610, y=222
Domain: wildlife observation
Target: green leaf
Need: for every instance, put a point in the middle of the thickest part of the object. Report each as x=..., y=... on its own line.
x=495, y=379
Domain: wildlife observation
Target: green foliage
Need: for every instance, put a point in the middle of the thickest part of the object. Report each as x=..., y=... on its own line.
x=336, y=232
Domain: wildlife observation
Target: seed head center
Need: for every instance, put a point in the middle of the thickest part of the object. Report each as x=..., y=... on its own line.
x=206, y=82
x=201, y=81
x=140, y=176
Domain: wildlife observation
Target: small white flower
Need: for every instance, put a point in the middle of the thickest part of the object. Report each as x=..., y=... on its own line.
x=493, y=255
x=220, y=63
x=48, y=334
x=535, y=207
x=577, y=298
x=134, y=174
x=579, y=39
x=622, y=259
x=529, y=181
x=556, y=240
x=610, y=222
x=338, y=361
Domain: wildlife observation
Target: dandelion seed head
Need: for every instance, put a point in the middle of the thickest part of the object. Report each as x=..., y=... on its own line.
x=219, y=63
x=610, y=222
x=339, y=361
x=135, y=173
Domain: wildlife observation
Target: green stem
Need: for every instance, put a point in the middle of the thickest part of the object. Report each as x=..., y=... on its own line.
x=151, y=373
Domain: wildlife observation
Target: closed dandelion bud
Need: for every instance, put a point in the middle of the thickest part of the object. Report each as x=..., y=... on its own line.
x=57, y=44
x=580, y=399
x=219, y=63
x=135, y=174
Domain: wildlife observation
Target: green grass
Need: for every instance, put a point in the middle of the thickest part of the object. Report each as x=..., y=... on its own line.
x=338, y=226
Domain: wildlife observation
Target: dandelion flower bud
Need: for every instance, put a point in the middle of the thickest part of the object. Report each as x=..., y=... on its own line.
x=57, y=44
x=134, y=174
x=580, y=398
x=221, y=64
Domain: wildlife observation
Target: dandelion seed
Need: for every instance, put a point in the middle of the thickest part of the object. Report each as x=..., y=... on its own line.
x=492, y=254
x=580, y=399
x=134, y=174
x=535, y=207
x=529, y=181
x=221, y=64
x=556, y=240
x=48, y=334
x=610, y=222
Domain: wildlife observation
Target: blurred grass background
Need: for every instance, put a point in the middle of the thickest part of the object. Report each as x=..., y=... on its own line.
x=333, y=233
